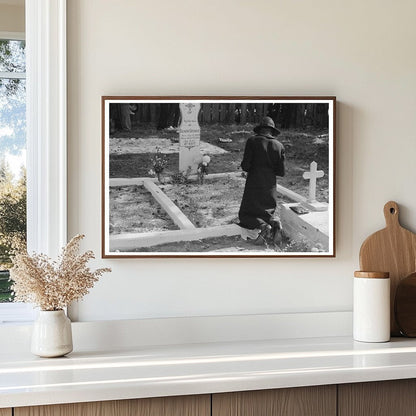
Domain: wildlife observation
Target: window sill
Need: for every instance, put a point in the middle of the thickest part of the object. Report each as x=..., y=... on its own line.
x=16, y=313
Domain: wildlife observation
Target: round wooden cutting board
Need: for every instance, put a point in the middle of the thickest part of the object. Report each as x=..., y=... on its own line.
x=405, y=305
x=393, y=250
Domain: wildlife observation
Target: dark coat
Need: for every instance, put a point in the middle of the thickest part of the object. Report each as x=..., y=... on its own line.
x=263, y=159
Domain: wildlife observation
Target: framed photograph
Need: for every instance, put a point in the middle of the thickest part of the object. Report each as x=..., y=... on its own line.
x=218, y=177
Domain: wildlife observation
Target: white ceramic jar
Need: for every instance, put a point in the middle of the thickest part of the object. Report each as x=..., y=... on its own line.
x=52, y=334
x=371, y=309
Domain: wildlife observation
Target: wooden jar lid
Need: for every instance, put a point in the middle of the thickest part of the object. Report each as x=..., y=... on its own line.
x=372, y=275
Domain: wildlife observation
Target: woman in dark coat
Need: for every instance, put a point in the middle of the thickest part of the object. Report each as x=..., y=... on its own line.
x=263, y=160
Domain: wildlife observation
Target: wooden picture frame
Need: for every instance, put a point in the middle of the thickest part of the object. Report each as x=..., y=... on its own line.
x=172, y=184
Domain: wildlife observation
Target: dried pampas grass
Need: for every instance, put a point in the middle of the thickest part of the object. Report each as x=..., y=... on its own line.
x=53, y=285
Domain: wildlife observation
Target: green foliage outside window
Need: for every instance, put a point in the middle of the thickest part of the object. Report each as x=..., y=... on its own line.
x=12, y=145
x=12, y=223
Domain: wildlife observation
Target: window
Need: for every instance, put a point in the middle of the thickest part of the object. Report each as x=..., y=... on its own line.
x=12, y=164
x=45, y=134
x=12, y=154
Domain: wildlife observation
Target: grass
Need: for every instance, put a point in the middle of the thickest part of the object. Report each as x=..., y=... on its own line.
x=133, y=209
x=216, y=202
x=5, y=292
x=301, y=149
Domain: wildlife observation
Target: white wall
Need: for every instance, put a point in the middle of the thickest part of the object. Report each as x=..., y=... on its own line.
x=12, y=18
x=361, y=51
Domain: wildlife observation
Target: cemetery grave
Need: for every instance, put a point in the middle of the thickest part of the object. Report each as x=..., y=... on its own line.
x=193, y=213
x=133, y=209
x=170, y=217
x=299, y=147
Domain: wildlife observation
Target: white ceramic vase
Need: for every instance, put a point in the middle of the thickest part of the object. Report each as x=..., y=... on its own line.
x=52, y=334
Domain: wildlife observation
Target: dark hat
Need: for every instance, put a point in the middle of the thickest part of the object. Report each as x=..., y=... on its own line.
x=267, y=122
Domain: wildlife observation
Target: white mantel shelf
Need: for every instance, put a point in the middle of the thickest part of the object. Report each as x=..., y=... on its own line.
x=151, y=371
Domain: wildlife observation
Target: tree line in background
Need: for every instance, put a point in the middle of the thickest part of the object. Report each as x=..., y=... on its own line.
x=12, y=222
x=13, y=142
x=286, y=115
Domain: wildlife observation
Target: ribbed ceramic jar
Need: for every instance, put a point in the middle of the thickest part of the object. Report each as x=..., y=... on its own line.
x=52, y=334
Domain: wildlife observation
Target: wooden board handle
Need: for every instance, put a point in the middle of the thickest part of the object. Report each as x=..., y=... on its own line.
x=391, y=214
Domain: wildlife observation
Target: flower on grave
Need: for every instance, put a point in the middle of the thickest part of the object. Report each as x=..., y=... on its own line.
x=159, y=161
x=202, y=169
x=205, y=160
x=151, y=172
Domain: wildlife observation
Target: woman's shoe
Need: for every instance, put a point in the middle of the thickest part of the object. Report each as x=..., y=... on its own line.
x=264, y=235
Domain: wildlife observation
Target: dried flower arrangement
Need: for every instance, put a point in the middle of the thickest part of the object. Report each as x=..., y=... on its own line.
x=53, y=285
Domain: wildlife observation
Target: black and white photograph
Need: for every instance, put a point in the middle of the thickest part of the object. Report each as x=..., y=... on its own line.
x=218, y=176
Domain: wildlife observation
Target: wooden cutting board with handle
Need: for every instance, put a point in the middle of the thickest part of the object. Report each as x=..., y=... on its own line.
x=393, y=250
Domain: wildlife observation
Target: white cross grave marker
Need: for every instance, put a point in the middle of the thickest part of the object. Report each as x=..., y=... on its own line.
x=189, y=137
x=312, y=175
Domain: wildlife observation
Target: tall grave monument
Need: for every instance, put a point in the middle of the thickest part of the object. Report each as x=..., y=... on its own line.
x=189, y=137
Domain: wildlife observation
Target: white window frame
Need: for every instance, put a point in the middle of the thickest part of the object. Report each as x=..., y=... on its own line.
x=14, y=312
x=46, y=134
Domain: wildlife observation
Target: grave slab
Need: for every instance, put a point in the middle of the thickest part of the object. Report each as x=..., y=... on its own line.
x=132, y=241
x=177, y=216
x=290, y=194
x=312, y=227
x=139, y=181
x=315, y=206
